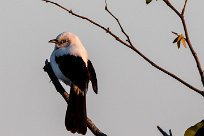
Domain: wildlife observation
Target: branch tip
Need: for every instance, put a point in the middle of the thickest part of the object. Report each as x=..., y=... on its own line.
x=175, y=33
x=170, y=132
x=118, y=21
x=163, y=132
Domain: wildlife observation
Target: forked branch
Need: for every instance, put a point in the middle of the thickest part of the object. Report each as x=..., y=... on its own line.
x=181, y=16
x=123, y=31
x=47, y=68
x=163, y=132
x=107, y=30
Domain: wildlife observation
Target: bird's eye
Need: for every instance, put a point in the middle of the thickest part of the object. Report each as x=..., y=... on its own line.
x=63, y=41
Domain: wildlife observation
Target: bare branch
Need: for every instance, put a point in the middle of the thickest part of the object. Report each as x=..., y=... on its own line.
x=192, y=50
x=47, y=68
x=181, y=16
x=163, y=132
x=172, y=7
x=123, y=31
x=107, y=30
x=184, y=7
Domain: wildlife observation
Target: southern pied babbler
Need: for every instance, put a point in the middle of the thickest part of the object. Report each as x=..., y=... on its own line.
x=71, y=64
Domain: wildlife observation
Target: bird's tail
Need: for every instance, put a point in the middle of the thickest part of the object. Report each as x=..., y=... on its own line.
x=76, y=118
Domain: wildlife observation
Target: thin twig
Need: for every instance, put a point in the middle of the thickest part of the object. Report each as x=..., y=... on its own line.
x=47, y=68
x=184, y=7
x=107, y=30
x=170, y=132
x=175, y=33
x=123, y=31
x=172, y=7
x=163, y=132
x=181, y=16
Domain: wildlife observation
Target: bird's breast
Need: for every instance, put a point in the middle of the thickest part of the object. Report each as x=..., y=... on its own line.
x=57, y=70
x=75, y=50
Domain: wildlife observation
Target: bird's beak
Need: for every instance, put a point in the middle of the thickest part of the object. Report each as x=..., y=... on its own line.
x=53, y=41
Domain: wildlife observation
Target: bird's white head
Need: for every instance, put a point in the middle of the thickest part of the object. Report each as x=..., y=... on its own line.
x=68, y=43
x=64, y=39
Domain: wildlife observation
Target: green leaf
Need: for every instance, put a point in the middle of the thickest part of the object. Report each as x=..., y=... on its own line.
x=148, y=1
x=196, y=130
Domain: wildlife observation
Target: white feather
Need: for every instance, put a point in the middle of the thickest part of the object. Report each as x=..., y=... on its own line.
x=75, y=48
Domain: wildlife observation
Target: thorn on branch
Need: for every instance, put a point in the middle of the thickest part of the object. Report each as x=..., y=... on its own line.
x=108, y=30
x=118, y=21
x=170, y=132
x=117, y=38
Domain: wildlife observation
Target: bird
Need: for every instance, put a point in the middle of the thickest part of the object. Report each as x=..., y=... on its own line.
x=71, y=65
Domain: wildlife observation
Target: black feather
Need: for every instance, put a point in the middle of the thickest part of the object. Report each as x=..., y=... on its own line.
x=93, y=76
x=74, y=68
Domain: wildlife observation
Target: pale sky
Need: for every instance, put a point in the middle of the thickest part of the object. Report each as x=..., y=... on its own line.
x=133, y=96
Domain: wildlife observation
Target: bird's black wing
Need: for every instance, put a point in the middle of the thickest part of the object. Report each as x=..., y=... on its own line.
x=93, y=76
x=74, y=68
